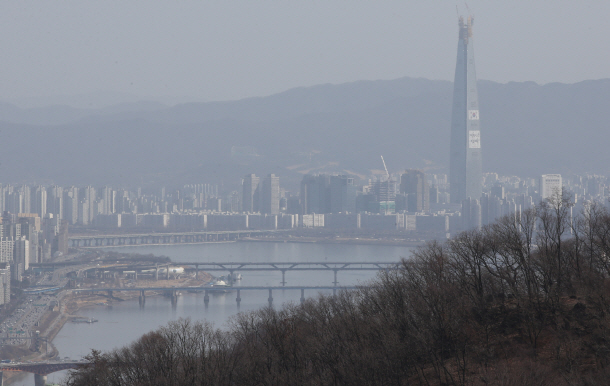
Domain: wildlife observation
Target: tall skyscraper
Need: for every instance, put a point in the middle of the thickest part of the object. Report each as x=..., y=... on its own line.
x=270, y=195
x=342, y=194
x=250, y=198
x=465, y=157
x=315, y=194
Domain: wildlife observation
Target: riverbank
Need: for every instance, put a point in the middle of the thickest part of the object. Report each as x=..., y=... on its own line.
x=70, y=305
x=75, y=302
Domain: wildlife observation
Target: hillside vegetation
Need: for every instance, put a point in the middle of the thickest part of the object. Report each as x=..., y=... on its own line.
x=524, y=301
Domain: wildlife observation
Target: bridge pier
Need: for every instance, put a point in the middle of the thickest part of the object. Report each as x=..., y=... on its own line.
x=110, y=294
x=335, y=282
x=283, y=277
x=270, y=297
x=196, y=271
x=156, y=272
x=174, y=296
x=238, y=300
x=167, y=272
x=142, y=298
x=302, y=295
x=40, y=380
x=206, y=299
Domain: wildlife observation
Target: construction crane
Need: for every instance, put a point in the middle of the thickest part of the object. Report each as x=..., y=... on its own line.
x=386, y=169
x=388, y=185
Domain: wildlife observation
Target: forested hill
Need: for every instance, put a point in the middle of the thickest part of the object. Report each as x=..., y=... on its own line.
x=527, y=129
x=522, y=302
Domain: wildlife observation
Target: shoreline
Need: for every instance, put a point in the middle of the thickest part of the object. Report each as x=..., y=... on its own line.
x=70, y=304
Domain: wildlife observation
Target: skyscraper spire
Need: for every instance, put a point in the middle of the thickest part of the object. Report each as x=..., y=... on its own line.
x=465, y=151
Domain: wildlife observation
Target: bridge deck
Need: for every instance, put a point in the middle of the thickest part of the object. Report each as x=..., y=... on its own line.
x=212, y=289
x=41, y=368
x=250, y=266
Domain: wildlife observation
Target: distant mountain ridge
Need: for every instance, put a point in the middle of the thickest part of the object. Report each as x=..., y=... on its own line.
x=527, y=129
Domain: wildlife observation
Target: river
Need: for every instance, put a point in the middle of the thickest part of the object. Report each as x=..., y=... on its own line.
x=126, y=321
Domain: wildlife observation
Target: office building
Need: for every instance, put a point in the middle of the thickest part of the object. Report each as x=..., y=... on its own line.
x=250, y=199
x=21, y=256
x=342, y=194
x=413, y=184
x=315, y=194
x=270, y=195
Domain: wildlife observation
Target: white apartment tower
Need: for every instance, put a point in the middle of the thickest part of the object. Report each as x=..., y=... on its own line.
x=550, y=184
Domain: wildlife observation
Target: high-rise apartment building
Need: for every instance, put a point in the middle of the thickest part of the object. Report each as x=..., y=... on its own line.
x=21, y=254
x=5, y=283
x=108, y=198
x=70, y=204
x=55, y=201
x=40, y=201
x=465, y=149
x=86, y=207
x=550, y=184
x=25, y=192
x=6, y=250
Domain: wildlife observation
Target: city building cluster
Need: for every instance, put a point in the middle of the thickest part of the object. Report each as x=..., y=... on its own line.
x=36, y=218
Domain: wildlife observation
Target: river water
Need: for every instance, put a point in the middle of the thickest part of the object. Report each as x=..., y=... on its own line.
x=126, y=321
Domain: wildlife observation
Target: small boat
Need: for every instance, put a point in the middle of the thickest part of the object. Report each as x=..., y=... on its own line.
x=221, y=286
x=84, y=320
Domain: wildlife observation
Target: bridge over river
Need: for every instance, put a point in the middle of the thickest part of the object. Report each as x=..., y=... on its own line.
x=232, y=267
x=165, y=269
x=100, y=240
x=39, y=369
x=174, y=291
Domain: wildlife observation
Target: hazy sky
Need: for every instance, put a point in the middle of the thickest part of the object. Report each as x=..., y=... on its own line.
x=219, y=50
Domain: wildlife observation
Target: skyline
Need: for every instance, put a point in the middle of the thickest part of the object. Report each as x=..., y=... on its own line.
x=211, y=52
